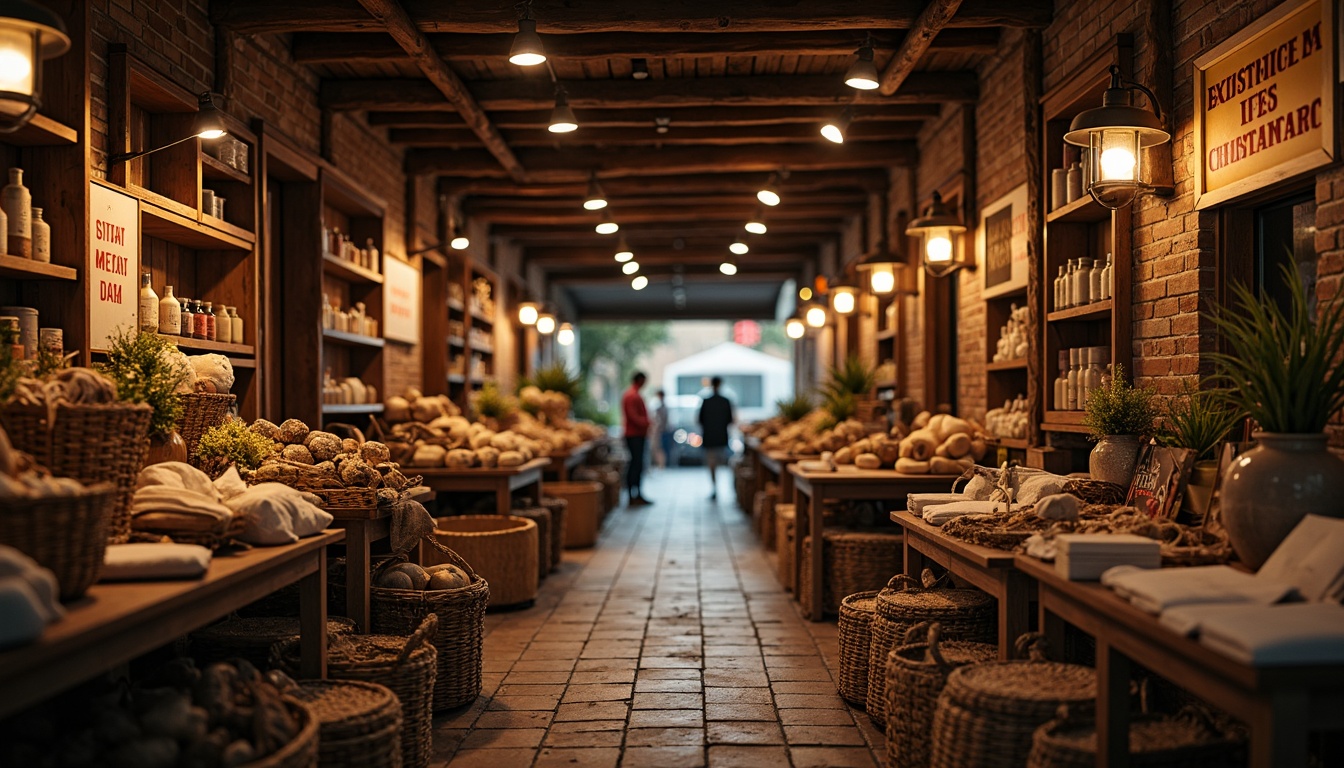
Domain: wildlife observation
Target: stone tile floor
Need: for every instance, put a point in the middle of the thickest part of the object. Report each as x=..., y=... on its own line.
x=670, y=644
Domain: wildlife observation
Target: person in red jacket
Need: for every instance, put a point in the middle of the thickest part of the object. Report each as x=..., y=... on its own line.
x=636, y=417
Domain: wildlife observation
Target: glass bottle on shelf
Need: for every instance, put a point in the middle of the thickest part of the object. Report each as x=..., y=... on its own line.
x=1061, y=399
x=1074, y=370
x=370, y=255
x=211, y=322
x=1082, y=282
x=200, y=328
x=1095, y=278
x=1059, y=188
x=170, y=313
x=1059, y=290
x=149, y=305
x=1069, y=298
x=1108, y=278
x=1092, y=375
x=223, y=325
x=1075, y=182
x=188, y=318
x=237, y=323
x=41, y=238
x=18, y=204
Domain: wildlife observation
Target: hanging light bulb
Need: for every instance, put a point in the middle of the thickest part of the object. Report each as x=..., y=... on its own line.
x=769, y=194
x=882, y=277
x=834, y=130
x=805, y=293
x=29, y=34
x=209, y=121
x=527, y=50
x=815, y=316
x=844, y=298
x=623, y=253
x=546, y=323
x=528, y=312
x=457, y=239
x=938, y=226
x=757, y=224
x=639, y=283
x=794, y=328
x=595, y=200
x=639, y=69
x=728, y=268
x=607, y=226
x=738, y=247
x=1115, y=134
x=562, y=117
x=862, y=73
x=630, y=267
x=565, y=335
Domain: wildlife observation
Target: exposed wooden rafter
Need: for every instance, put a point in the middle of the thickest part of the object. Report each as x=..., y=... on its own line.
x=689, y=215
x=690, y=117
x=724, y=182
x=937, y=15
x=615, y=137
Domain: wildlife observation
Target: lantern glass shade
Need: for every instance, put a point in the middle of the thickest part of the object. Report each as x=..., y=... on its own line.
x=546, y=323
x=639, y=283
x=938, y=246
x=565, y=335
x=528, y=313
x=882, y=278
x=844, y=299
x=459, y=243
x=815, y=316
x=1115, y=135
x=794, y=328
x=941, y=230
x=29, y=34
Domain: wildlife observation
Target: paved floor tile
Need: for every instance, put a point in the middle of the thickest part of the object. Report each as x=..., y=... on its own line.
x=577, y=758
x=492, y=758
x=829, y=735
x=747, y=757
x=664, y=757
x=818, y=716
x=832, y=757
x=737, y=695
x=667, y=718
x=524, y=719
x=744, y=733
x=668, y=701
x=667, y=686
x=583, y=693
x=741, y=712
x=496, y=738
x=584, y=739
x=664, y=737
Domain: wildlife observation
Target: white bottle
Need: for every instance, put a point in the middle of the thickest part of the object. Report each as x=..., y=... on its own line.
x=1069, y=299
x=1074, y=370
x=170, y=314
x=1059, y=291
x=41, y=238
x=1061, y=400
x=1097, y=270
x=1108, y=278
x=1082, y=282
x=224, y=325
x=237, y=327
x=149, y=305
x=1059, y=188
x=1075, y=181
x=1092, y=374
x=18, y=204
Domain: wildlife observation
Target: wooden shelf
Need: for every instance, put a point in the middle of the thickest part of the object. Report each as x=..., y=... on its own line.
x=1097, y=310
x=243, y=362
x=457, y=341
x=456, y=305
x=218, y=170
x=352, y=339
x=42, y=131
x=484, y=318
x=484, y=350
x=349, y=271
x=241, y=233
x=1084, y=210
x=1064, y=421
x=456, y=378
x=343, y=408
x=886, y=385
x=18, y=268
x=886, y=335
x=1020, y=443
x=1007, y=365
x=201, y=345
x=160, y=222
x=1055, y=426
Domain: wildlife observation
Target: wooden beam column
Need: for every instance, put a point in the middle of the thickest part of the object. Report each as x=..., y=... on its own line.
x=935, y=16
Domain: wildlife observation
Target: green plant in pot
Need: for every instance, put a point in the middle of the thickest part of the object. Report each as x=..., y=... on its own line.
x=147, y=368
x=1119, y=417
x=794, y=408
x=854, y=381
x=1200, y=420
x=1284, y=369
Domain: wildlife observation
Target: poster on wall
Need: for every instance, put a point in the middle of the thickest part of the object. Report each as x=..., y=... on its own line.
x=401, y=300
x=1001, y=244
x=1266, y=103
x=114, y=263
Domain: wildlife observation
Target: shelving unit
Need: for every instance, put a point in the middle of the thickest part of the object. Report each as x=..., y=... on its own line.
x=1007, y=379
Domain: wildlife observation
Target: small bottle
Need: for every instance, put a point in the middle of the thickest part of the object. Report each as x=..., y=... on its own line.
x=224, y=325
x=211, y=326
x=237, y=323
x=1074, y=370
x=188, y=318
x=1075, y=181
x=170, y=314
x=1061, y=400
x=1068, y=283
x=41, y=238
x=370, y=255
x=1082, y=282
x=1108, y=279
x=1092, y=374
x=18, y=204
x=1095, y=279
x=1104, y=362
x=149, y=305
x=1059, y=188
x=1060, y=294
x=200, y=327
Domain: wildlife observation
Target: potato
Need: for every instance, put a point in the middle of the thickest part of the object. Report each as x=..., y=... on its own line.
x=511, y=459
x=451, y=577
x=397, y=409
x=912, y=467
x=957, y=445
x=419, y=577
x=943, y=466
x=428, y=455
x=867, y=461
x=978, y=449
x=844, y=456
x=394, y=580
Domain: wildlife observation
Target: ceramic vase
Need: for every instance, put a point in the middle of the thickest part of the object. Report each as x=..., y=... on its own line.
x=1113, y=459
x=41, y=238
x=18, y=204
x=166, y=447
x=1199, y=489
x=1270, y=488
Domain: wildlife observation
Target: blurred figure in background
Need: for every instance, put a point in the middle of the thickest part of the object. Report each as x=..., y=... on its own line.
x=636, y=417
x=716, y=415
x=660, y=434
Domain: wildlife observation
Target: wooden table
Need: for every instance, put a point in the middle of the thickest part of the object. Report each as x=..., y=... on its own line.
x=992, y=570
x=563, y=463
x=777, y=463
x=847, y=483
x=502, y=481
x=1280, y=704
x=362, y=528
x=114, y=623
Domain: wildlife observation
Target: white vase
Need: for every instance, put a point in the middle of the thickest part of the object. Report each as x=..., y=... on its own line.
x=41, y=238
x=17, y=202
x=1114, y=458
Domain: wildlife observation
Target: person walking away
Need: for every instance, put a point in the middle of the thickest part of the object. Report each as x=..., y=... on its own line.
x=662, y=437
x=636, y=416
x=716, y=414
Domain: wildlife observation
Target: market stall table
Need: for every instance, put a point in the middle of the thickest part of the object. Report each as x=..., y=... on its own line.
x=362, y=528
x=501, y=481
x=562, y=463
x=1281, y=705
x=114, y=623
x=777, y=463
x=992, y=570
x=811, y=490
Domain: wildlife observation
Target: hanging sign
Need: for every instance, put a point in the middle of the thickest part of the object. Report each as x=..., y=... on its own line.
x=113, y=266
x=1002, y=243
x=401, y=300
x=1266, y=103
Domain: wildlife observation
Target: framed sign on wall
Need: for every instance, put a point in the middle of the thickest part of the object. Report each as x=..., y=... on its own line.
x=1001, y=243
x=114, y=263
x=1265, y=102
x=401, y=300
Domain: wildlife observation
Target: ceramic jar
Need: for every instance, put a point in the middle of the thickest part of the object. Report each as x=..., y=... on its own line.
x=17, y=202
x=1114, y=458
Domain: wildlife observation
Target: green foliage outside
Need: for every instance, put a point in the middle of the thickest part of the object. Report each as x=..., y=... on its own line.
x=795, y=408
x=1121, y=409
x=147, y=369
x=617, y=346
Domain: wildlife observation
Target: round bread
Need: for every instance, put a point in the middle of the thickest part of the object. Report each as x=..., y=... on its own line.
x=394, y=580
x=265, y=429
x=375, y=452
x=447, y=576
x=297, y=454
x=867, y=461
x=419, y=577
x=293, y=432
x=912, y=467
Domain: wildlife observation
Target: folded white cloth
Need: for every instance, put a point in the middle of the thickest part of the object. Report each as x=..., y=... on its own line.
x=230, y=484
x=176, y=474
x=916, y=502
x=277, y=514
x=1155, y=591
x=1035, y=487
x=941, y=513
x=27, y=598
x=1296, y=634
x=137, y=562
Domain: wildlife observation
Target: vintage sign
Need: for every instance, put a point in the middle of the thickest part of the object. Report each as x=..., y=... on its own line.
x=1266, y=103
x=113, y=265
x=401, y=300
x=1001, y=244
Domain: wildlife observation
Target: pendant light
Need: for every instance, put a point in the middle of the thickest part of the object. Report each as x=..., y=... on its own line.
x=562, y=117
x=728, y=267
x=844, y=298
x=739, y=247
x=769, y=194
x=607, y=226
x=795, y=328
x=565, y=335
x=834, y=130
x=528, y=311
x=630, y=267
x=815, y=315
x=546, y=323
x=457, y=235
x=207, y=124
x=941, y=230
x=639, y=283
x=862, y=73
x=29, y=35
x=757, y=224
x=527, y=50
x=1115, y=135
x=623, y=252
x=639, y=69
x=595, y=199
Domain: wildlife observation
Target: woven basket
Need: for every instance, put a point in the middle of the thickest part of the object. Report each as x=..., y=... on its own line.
x=302, y=751
x=66, y=534
x=1154, y=742
x=856, y=618
x=503, y=547
x=965, y=614
x=347, y=498
x=916, y=673
x=559, y=511
x=610, y=479
x=89, y=443
x=542, y=517
x=786, y=516
x=252, y=638
x=200, y=412
x=360, y=723
x=461, y=615
x=404, y=665
x=856, y=561
x=763, y=512
x=987, y=713
x=582, y=512
x=224, y=531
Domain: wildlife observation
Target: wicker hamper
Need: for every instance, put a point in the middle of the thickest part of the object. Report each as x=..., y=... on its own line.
x=542, y=517
x=405, y=665
x=66, y=534
x=610, y=480
x=965, y=614
x=503, y=548
x=987, y=713
x=582, y=512
x=301, y=752
x=252, y=638
x=1154, y=742
x=201, y=411
x=359, y=723
x=763, y=512
x=785, y=515
x=558, y=508
x=916, y=672
x=856, y=618
x=855, y=561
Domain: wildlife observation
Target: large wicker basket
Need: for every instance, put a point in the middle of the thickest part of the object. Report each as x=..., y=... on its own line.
x=916, y=673
x=503, y=547
x=461, y=618
x=360, y=723
x=1154, y=742
x=89, y=443
x=763, y=512
x=542, y=517
x=405, y=665
x=856, y=561
x=786, y=516
x=559, y=509
x=583, y=511
x=965, y=614
x=65, y=534
x=856, y=618
x=301, y=752
x=987, y=713
x=252, y=638
x=200, y=412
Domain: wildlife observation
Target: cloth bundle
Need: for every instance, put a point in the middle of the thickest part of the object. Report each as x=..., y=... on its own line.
x=1266, y=635
x=941, y=513
x=1156, y=591
x=27, y=598
x=147, y=562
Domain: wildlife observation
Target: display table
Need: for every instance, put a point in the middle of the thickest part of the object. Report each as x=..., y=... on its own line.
x=564, y=463
x=362, y=527
x=992, y=570
x=1281, y=705
x=848, y=483
x=777, y=463
x=501, y=481
x=114, y=623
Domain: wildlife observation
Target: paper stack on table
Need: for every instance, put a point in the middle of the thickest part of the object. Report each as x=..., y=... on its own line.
x=1296, y=633
x=1084, y=557
x=1155, y=591
x=1311, y=558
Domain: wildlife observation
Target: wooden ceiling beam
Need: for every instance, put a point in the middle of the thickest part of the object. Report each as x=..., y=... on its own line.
x=399, y=94
x=365, y=48
x=673, y=199
x=936, y=15
x=404, y=32
x=560, y=17
x=552, y=166
x=701, y=137
x=692, y=117
x=666, y=258
x=725, y=181
x=692, y=216
x=711, y=232
x=691, y=273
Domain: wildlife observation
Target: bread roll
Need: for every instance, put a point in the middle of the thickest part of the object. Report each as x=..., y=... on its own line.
x=941, y=466
x=867, y=461
x=957, y=445
x=912, y=467
x=923, y=444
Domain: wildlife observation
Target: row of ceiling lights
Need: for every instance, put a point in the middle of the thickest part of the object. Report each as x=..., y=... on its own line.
x=530, y=313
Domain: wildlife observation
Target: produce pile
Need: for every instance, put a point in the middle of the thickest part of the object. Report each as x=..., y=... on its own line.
x=412, y=576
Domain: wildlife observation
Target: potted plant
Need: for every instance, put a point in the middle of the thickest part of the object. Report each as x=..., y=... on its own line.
x=853, y=381
x=1200, y=420
x=1284, y=369
x=147, y=368
x=794, y=408
x=1119, y=418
